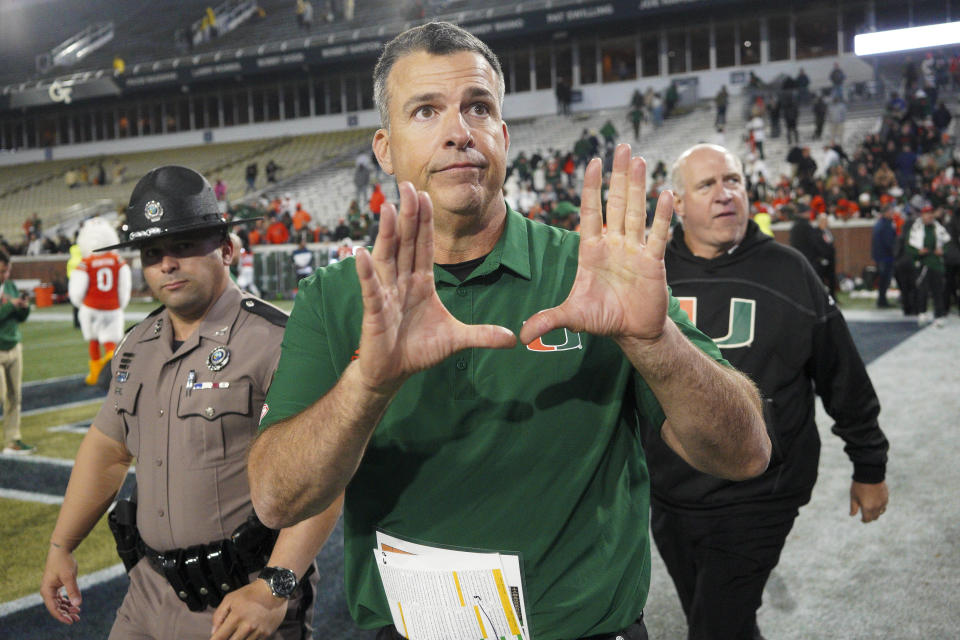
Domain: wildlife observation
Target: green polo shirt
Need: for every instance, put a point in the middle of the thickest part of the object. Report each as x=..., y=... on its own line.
x=528, y=451
x=10, y=317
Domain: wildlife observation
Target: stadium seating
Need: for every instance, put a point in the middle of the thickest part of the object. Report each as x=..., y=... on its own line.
x=40, y=187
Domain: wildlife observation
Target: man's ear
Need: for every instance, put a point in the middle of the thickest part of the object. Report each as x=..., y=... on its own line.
x=506, y=139
x=678, y=205
x=381, y=148
x=226, y=250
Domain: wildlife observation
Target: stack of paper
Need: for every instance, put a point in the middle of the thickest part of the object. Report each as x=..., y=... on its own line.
x=441, y=594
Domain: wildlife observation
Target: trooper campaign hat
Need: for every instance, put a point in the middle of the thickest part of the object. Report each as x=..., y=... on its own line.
x=171, y=200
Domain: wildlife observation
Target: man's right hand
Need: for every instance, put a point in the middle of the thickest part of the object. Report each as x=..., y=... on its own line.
x=405, y=326
x=61, y=571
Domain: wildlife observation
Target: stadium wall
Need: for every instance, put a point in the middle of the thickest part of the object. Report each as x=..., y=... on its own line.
x=614, y=95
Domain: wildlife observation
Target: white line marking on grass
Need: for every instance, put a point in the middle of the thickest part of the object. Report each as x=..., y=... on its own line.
x=68, y=405
x=74, y=427
x=60, y=462
x=34, y=383
x=84, y=582
x=30, y=496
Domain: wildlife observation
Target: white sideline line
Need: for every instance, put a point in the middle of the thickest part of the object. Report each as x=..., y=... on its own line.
x=30, y=496
x=55, y=407
x=84, y=582
x=60, y=462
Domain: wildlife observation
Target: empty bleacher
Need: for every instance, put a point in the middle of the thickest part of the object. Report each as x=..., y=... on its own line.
x=41, y=187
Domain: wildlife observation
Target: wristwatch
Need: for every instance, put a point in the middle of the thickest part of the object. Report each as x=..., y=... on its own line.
x=282, y=581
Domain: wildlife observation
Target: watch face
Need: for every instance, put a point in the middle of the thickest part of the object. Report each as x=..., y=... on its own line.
x=283, y=582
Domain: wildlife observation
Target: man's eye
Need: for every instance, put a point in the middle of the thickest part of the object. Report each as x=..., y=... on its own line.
x=480, y=109
x=424, y=112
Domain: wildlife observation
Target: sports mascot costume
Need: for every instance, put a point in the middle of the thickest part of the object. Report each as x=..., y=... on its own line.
x=100, y=289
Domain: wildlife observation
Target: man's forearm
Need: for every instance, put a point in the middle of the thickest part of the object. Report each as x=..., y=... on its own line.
x=300, y=466
x=298, y=545
x=714, y=414
x=98, y=472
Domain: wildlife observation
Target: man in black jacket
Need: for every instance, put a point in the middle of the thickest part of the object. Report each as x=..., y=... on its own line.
x=768, y=312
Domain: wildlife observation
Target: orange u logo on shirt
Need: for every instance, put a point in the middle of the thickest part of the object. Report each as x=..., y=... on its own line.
x=571, y=340
x=741, y=328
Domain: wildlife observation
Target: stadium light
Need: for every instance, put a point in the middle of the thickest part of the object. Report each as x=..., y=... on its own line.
x=934, y=35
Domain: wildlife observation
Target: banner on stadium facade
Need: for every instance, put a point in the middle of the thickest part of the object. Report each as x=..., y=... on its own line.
x=178, y=72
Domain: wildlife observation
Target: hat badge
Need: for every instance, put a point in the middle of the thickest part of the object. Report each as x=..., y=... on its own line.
x=153, y=211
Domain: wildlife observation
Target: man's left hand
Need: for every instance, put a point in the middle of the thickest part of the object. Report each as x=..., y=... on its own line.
x=620, y=289
x=250, y=612
x=869, y=499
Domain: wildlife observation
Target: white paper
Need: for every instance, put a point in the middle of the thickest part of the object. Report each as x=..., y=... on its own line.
x=442, y=594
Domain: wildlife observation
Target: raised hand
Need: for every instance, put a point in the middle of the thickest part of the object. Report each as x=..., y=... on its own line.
x=620, y=289
x=405, y=326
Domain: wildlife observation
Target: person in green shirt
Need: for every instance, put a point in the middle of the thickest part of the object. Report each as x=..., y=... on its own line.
x=14, y=309
x=402, y=382
x=925, y=245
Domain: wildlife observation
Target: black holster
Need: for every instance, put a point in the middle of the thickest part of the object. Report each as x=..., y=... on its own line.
x=122, y=521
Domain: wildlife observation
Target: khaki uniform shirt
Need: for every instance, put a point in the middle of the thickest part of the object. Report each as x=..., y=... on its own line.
x=191, y=444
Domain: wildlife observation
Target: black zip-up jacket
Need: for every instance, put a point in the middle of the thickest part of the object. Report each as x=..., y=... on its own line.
x=768, y=312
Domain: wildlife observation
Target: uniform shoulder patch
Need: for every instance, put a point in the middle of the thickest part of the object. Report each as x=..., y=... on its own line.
x=267, y=311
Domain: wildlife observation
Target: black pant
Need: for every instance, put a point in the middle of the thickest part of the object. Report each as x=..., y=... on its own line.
x=636, y=631
x=930, y=284
x=720, y=565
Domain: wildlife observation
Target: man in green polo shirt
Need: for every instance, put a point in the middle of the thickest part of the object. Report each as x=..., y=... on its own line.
x=14, y=309
x=402, y=383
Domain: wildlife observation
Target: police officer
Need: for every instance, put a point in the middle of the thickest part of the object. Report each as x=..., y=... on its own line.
x=185, y=399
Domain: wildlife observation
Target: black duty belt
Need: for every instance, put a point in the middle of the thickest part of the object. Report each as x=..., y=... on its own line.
x=202, y=574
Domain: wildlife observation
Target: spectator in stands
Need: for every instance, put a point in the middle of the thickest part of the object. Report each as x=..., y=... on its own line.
x=837, y=77
x=838, y=118
x=882, y=249
x=925, y=244
x=220, y=189
x=756, y=132
x=251, y=174
x=300, y=220
x=564, y=96
x=790, y=116
x=656, y=110
x=302, y=258
x=342, y=230
x=774, y=108
x=272, y=169
x=257, y=233
x=828, y=270
x=636, y=118
x=277, y=232
x=305, y=14
x=905, y=168
x=942, y=117
x=951, y=258
x=14, y=310
x=609, y=132
x=802, y=83
x=806, y=169
x=376, y=200
x=819, y=116
x=118, y=172
x=71, y=178
x=721, y=100
x=361, y=176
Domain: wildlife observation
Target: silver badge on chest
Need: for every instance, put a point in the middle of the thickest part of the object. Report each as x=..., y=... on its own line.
x=218, y=358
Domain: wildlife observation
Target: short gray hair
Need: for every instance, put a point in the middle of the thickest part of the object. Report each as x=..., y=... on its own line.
x=676, y=180
x=436, y=38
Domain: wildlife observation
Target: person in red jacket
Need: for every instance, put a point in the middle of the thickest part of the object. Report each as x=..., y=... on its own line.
x=99, y=288
x=376, y=200
x=277, y=232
